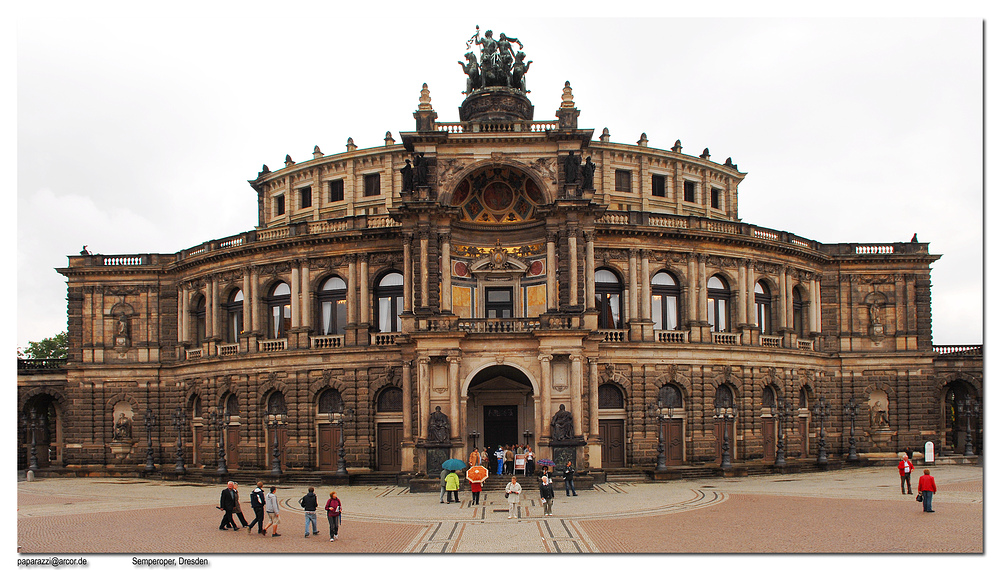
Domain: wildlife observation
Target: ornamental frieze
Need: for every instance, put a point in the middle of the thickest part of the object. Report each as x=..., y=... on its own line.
x=385, y=258
x=322, y=263
x=546, y=168
x=721, y=262
x=275, y=268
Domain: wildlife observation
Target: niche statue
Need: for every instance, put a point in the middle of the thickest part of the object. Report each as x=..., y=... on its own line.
x=562, y=424
x=440, y=428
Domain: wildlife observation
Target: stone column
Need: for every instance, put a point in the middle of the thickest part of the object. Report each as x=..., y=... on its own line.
x=453, y=389
x=424, y=268
x=247, y=300
x=352, y=288
x=254, y=299
x=588, y=269
x=785, y=301
x=424, y=387
x=751, y=296
x=574, y=293
x=364, y=302
x=633, y=286
x=576, y=392
x=550, y=271
x=210, y=307
x=815, y=325
x=741, y=293
x=408, y=273
x=296, y=302
x=182, y=317
x=407, y=402
x=546, y=411
x=594, y=376
x=702, y=289
x=692, y=293
x=645, y=287
x=445, y=272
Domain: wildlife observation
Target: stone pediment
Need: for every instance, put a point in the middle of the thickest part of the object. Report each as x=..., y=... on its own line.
x=503, y=385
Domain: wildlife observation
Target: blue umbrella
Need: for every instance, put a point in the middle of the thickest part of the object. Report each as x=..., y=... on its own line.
x=546, y=463
x=453, y=464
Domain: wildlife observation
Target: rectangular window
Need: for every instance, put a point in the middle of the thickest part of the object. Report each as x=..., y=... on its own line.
x=305, y=197
x=373, y=185
x=688, y=191
x=659, y=186
x=337, y=190
x=623, y=180
x=499, y=303
x=279, y=205
x=716, y=198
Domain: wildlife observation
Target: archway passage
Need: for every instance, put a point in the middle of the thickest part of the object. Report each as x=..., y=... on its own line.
x=45, y=432
x=959, y=424
x=501, y=407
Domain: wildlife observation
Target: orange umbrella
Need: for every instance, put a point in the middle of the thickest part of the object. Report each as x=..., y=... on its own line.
x=477, y=474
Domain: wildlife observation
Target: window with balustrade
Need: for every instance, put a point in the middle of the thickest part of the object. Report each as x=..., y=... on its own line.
x=199, y=319
x=332, y=301
x=718, y=304
x=234, y=316
x=389, y=302
x=279, y=310
x=608, y=293
x=499, y=303
x=762, y=307
x=665, y=305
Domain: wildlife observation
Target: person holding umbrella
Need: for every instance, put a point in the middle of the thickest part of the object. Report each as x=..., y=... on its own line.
x=451, y=485
x=476, y=475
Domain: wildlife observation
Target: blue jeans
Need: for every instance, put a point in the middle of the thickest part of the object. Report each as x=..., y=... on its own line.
x=311, y=519
x=928, y=497
x=570, y=487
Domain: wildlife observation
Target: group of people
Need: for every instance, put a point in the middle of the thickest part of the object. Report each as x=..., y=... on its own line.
x=450, y=484
x=267, y=504
x=501, y=460
x=926, y=487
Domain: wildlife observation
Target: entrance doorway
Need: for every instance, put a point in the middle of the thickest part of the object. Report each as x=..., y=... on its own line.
x=500, y=406
x=612, y=433
x=499, y=426
x=388, y=456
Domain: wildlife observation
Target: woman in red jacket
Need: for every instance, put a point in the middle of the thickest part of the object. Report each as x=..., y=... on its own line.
x=927, y=488
x=905, y=468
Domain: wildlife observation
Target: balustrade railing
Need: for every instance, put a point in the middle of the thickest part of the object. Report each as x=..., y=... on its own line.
x=731, y=339
x=274, y=233
x=614, y=335
x=770, y=341
x=272, y=345
x=662, y=221
x=805, y=344
x=117, y=260
x=874, y=249
x=382, y=222
x=499, y=325
x=384, y=339
x=672, y=336
x=327, y=341
x=959, y=349
x=192, y=353
x=40, y=363
x=228, y=349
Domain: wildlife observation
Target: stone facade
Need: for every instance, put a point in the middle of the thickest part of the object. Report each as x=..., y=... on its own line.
x=494, y=281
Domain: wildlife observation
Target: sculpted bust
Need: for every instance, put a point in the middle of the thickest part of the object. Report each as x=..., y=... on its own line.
x=440, y=428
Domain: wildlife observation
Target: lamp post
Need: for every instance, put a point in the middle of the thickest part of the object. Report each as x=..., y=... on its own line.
x=219, y=420
x=180, y=420
x=653, y=411
x=783, y=412
x=851, y=411
x=341, y=460
x=149, y=419
x=527, y=435
x=822, y=409
x=968, y=408
x=475, y=438
x=726, y=414
x=276, y=450
x=33, y=427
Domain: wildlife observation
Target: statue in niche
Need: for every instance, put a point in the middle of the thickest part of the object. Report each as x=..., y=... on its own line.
x=123, y=428
x=471, y=68
x=588, y=175
x=572, y=168
x=440, y=428
x=420, y=169
x=879, y=415
x=875, y=313
x=407, y=172
x=122, y=339
x=562, y=424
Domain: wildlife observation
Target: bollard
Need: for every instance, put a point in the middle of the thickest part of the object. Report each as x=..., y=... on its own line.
x=30, y=476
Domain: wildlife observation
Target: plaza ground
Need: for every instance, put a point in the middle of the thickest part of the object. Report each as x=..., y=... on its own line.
x=844, y=511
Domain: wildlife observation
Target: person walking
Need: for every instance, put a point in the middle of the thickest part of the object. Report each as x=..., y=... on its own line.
x=308, y=503
x=271, y=508
x=333, y=508
x=513, y=492
x=568, y=473
x=257, y=504
x=927, y=488
x=444, y=484
x=226, y=503
x=237, y=509
x=451, y=485
x=905, y=468
x=548, y=495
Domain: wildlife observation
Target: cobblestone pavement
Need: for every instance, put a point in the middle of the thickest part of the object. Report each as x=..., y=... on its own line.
x=847, y=511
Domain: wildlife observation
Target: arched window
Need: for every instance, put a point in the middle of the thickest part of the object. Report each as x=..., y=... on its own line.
x=798, y=313
x=608, y=299
x=389, y=302
x=724, y=397
x=718, y=304
x=762, y=304
x=199, y=320
x=769, y=400
x=330, y=402
x=279, y=309
x=276, y=404
x=670, y=397
x=332, y=299
x=232, y=405
x=389, y=400
x=234, y=316
x=666, y=299
x=803, y=398
x=610, y=397
x=196, y=406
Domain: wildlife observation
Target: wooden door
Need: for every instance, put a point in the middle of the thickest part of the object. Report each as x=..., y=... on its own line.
x=673, y=440
x=770, y=435
x=233, y=447
x=389, y=438
x=804, y=436
x=612, y=433
x=199, y=440
x=329, y=446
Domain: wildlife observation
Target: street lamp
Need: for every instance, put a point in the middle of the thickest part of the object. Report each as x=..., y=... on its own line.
x=527, y=435
x=969, y=408
x=150, y=420
x=783, y=412
x=822, y=409
x=726, y=414
x=180, y=420
x=851, y=411
x=218, y=418
x=653, y=411
x=33, y=427
x=276, y=451
x=475, y=437
x=341, y=460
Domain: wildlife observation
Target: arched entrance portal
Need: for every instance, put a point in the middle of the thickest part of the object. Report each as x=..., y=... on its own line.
x=501, y=407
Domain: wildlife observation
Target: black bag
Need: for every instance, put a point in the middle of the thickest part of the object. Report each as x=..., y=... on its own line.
x=506, y=495
x=920, y=497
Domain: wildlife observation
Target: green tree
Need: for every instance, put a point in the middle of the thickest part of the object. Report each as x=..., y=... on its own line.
x=52, y=347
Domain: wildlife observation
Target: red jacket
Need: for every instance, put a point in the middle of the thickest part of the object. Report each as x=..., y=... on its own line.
x=902, y=464
x=926, y=483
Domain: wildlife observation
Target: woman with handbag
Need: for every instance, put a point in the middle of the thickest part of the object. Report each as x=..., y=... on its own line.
x=926, y=489
x=513, y=494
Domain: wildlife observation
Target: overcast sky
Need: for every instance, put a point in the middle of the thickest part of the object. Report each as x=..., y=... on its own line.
x=138, y=135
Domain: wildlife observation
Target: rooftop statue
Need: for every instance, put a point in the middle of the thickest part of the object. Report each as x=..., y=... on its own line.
x=498, y=66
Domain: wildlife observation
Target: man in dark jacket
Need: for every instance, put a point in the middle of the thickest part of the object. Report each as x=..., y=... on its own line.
x=227, y=502
x=308, y=503
x=568, y=473
x=257, y=502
